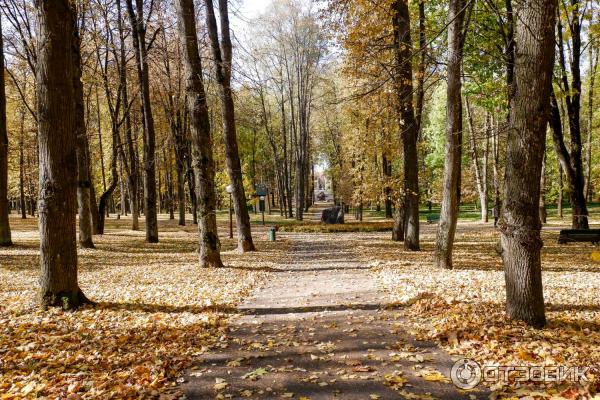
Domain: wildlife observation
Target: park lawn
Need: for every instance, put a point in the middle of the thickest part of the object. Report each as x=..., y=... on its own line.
x=156, y=311
x=463, y=309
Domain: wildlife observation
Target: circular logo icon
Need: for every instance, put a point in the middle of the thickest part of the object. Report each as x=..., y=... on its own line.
x=465, y=374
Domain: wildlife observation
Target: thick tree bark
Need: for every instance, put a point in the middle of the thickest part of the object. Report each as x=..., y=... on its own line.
x=5, y=237
x=454, y=132
x=399, y=222
x=202, y=153
x=520, y=222
x=222, y=53
x=83, y=158
x=57, y=153
x=138, y=26
x=406, y=116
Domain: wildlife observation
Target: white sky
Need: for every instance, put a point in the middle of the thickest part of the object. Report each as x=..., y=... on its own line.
x=243, y=10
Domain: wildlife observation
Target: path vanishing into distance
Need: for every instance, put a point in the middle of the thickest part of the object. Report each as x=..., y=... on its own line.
x=321, y=329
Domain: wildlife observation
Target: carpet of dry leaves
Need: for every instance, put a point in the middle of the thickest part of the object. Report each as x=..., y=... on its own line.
x=156, y=309
x=463, y=309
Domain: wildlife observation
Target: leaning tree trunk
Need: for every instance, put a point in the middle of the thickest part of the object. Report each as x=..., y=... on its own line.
x=452, y=163
x=520, y=223
x=408, y=125
x=83, y=160
x=5, y=239
x=203, y=163
x=57, y=155
x=222, y=56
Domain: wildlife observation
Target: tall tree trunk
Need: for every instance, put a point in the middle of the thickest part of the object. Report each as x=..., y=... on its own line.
x=559, y=201
x=480, y=173
x=593, y=56
x=496, y=163
x=138, y=26
x=387, y=190
x=576, y=193
x=421, y=68
x=543, y=213
x=520, y=222
x=22, y=166
x=406, y=116
x=222, y=53
x=83, y=158
x=58, y=182
x=572, y=91
x=5, y=237
x=181, y=194
x=131, y=160
x=203, y=159
x=452, y=163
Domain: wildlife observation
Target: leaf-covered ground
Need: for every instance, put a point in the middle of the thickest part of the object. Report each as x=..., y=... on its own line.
x=156, y=309
x=463, y=309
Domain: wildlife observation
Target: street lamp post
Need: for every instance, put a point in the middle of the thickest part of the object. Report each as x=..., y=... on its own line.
x=262, y=208
x=229, y=190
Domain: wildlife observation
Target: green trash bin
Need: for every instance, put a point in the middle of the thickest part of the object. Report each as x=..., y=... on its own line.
x=272, y=231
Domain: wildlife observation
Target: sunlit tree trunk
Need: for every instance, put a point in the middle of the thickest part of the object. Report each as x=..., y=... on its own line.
x=454, y=133
x=406, y=116
x=57, y=151
x=520, y=222
x=222, y=54
x=572, y=95
x=23, y=204
x=131, y=159
x=202, y=152
x=136, y=17
x=593, y=59
x=479, y=172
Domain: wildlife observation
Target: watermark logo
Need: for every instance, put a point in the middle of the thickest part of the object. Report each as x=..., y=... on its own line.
x=466, y=374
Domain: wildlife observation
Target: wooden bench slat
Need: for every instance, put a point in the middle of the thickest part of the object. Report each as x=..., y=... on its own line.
x=579, y=235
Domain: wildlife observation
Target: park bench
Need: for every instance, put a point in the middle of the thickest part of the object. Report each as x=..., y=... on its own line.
x=579, y=235
x=431, y=218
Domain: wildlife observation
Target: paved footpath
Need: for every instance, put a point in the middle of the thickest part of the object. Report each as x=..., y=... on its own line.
x=320, y=329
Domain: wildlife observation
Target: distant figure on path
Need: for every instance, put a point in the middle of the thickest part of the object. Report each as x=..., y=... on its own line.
x=495, y=214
